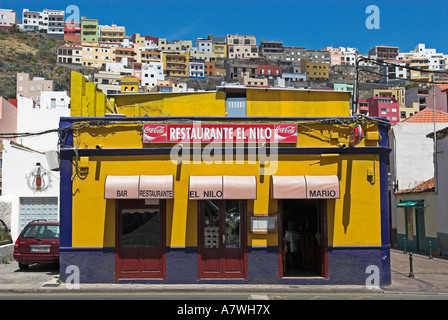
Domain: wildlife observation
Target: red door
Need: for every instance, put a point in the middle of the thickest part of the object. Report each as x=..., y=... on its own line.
x=140, y=240
x=222, y=239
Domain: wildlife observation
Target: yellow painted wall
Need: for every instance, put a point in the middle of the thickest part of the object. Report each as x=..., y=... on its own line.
x=88, y=102
x=352, y=220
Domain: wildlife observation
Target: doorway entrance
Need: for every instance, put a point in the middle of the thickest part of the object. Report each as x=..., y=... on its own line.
x=420, y=229
x=302, y=238
x=222, y=239
x=140, y=239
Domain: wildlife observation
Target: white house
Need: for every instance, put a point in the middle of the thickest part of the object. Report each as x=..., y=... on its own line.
x=151, y=72
x=349, y=55
x=52, y=21
x=204, y=45
x=28, y=182
x=411, y=158
x=436, y=60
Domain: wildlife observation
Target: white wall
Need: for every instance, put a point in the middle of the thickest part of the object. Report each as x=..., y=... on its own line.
x=156, y=70
x=413, y=153
x=20, y=161
x=34, y=118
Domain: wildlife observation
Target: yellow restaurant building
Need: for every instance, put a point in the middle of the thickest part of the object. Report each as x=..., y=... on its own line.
x=238, y=185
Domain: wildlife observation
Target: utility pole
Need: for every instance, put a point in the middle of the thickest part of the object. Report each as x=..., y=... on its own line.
x=355, y=88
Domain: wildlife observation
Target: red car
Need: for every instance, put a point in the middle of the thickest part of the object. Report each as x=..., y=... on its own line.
x=37, y=243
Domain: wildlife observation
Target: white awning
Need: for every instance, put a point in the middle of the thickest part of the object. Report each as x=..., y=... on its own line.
x=222, y=187
x=121, y=187
x=139, y=187
x=305, y=187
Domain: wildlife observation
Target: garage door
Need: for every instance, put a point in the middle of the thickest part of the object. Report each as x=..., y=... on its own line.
x=38, y=208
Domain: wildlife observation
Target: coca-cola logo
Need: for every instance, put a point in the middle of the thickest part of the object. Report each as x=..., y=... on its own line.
x=285, y=129
x=154, y=130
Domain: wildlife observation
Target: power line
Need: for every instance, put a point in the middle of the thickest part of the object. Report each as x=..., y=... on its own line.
x=403, y=79
x=383, y=62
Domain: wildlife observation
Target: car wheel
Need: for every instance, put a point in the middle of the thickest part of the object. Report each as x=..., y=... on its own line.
x=23, y=266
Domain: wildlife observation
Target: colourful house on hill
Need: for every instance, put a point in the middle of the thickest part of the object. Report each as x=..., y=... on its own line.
x=173, y=188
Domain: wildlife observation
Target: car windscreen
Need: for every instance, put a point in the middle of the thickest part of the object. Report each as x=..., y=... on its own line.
x=41, y=232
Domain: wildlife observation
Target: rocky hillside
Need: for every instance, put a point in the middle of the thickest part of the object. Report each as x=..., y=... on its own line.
x=34, y=53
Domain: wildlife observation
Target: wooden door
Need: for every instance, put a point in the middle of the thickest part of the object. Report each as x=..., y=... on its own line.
x=140, y=240
x=420, y=229
x=222, y=239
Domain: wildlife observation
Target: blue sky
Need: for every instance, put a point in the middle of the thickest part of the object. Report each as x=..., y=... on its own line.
x=313, y=24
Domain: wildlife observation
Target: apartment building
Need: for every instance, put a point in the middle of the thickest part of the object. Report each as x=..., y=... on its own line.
x=55, y=22
x=384, y=107
x=314, y=70
x=436, y=60
x=420, y=69
x=95, y=56
x=8, y=18
x=52, y=21
x=150, y=56
x=113, y=33
x=241, y=46
x=175, y=45
x=206, y=56
x=151, y=72
x=70, y=54
x=146, y=43
x=337, y=58
x=130, y=54
x=350, y=55
x=176, y=63
x=32, y=88
x=269, y=72
x=383, y=52
x=219, y=46
x=420, y=98
x=30, y=20
x=72, y=31
x=109, y=82
x=89, y=30
x=393, y=72
x=196, y=68
x=210, y=68
x=237, y=67
x=296, y=54
x=204, y=45
x=249, y=81
x=272, y=50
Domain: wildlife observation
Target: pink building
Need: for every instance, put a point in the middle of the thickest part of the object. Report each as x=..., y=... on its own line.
x=337, y=57
x=8, y=18
x=384, y=107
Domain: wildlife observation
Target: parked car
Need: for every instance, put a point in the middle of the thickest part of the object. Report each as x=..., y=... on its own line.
x=37, y=243
x=5, y=234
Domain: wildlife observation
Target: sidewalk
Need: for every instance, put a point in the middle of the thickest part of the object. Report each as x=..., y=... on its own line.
x=430, y=276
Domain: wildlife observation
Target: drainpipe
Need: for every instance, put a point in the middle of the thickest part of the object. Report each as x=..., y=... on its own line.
x=435, y=139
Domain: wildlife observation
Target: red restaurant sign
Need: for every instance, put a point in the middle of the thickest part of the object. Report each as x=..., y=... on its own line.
x=207, y=133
